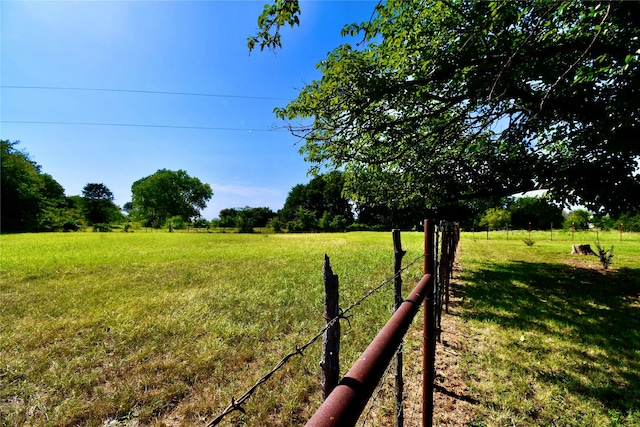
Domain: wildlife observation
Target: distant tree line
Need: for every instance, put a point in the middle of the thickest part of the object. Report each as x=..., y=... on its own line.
x=321, y=206
x=33, y=201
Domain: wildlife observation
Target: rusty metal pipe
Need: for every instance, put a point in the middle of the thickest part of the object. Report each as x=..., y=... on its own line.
x=347, y=401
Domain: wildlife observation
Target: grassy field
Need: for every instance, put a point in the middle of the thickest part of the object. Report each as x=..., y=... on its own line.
x=165, y=328
x=553, y=340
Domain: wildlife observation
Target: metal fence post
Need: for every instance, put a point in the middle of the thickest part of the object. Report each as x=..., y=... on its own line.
x=428, y=361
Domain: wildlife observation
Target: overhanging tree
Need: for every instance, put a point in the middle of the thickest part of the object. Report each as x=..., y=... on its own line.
x=166, y=194
x=448, y=101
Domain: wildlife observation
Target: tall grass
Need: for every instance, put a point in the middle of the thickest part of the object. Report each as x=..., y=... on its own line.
x=168, y=327
x=554, y=339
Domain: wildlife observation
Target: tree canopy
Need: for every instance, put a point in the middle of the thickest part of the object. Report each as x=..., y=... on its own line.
x=31, y=200
x=167, y=194
x=98, y=206
x=447, y=101
x=323, y=194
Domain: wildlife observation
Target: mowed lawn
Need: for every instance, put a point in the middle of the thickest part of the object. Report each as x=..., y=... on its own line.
x=552, y=340
x=167, y=328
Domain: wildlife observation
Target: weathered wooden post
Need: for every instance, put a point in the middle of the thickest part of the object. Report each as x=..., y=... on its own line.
x=398, y=253
x=330, y=361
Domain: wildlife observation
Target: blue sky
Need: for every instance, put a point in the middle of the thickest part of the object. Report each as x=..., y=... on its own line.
x=224, y=135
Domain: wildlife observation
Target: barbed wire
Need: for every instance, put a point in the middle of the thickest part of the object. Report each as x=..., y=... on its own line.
x=378, y=392
x=236, y=405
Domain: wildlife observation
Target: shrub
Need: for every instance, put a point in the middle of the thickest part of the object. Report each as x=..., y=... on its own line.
x=276, y=224
x=201, y=223
x=102, y=228
x=176, y=223
x=604, y=256
x=244, y=224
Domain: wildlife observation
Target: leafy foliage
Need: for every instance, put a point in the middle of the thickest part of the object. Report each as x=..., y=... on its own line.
x=536, y=211
x=98, y=206
x=495, y=218
x=459, y=100
x=323, y=194
x=271, y=20
x=578, y=219
x=31, y=200
x=169, y=193
x=246, y=218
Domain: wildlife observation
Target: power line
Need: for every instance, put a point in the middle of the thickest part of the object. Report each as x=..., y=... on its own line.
x=87, y=89
x=141, y=126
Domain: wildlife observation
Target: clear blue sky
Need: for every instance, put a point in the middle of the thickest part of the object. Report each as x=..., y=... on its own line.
x=133, y=47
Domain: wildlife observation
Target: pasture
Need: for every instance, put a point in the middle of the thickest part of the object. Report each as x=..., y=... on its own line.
x=553, y=340
x=166, y=328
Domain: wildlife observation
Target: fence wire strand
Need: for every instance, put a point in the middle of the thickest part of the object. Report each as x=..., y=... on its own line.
x=378, y=392
x=236, y=404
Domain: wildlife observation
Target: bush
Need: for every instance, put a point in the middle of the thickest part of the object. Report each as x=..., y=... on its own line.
x=356, y=226
x=495, y=219
x=276, y=224
x=102, y=228
x=604, y=256
x=201, y=223
x=176, y=223
x=244, y=224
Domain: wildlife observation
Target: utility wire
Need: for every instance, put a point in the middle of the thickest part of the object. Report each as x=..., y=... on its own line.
x=141, y=126
x=155, y=92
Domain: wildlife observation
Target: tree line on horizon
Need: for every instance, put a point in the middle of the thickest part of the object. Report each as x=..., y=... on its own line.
x=33, y=201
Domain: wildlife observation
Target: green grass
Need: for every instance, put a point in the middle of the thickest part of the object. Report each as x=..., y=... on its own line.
x=554, y=340
x=165, y=328
x=168, y=327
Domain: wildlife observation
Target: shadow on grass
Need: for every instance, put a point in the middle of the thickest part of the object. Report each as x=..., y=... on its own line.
x=593, y=318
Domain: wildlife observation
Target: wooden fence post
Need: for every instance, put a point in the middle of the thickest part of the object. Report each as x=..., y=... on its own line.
x=398, y=253
x=330, y=361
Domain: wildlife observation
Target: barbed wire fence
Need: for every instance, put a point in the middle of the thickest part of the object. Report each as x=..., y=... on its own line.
x=446, y=238
x=236, y=404
x=409, y=408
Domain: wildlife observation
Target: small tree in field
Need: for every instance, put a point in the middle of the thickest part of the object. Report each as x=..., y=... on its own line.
x=604, y=256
